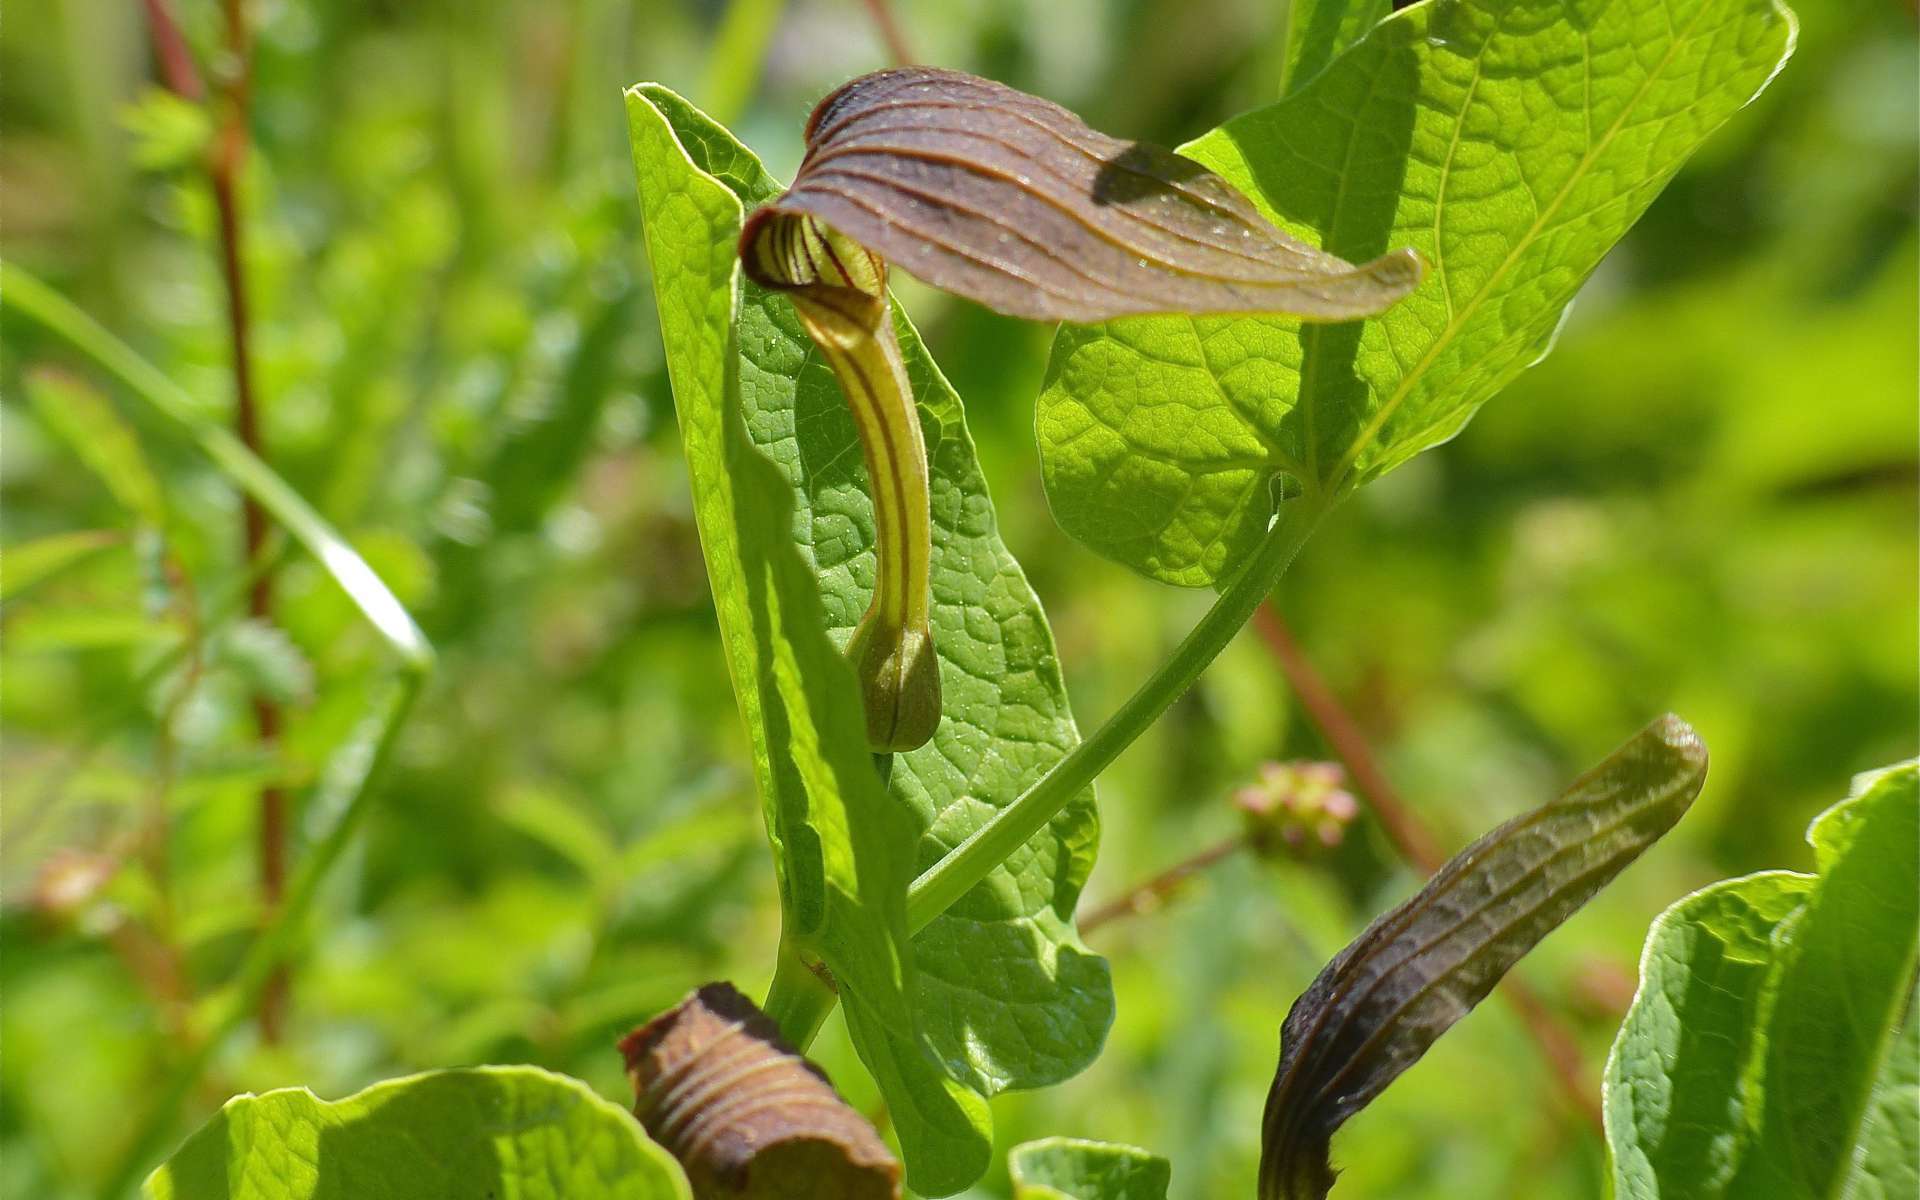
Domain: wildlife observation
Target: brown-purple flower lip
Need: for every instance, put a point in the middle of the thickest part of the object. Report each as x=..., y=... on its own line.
x=1012, y=201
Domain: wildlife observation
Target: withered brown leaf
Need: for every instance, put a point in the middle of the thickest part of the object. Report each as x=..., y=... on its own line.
x=746, y=1115
x=1383, y=1001
x=1014, y=202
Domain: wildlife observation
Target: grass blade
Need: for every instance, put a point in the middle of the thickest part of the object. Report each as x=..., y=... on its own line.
x=343, y=799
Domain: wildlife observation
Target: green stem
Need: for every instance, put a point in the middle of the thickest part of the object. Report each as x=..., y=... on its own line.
x=343, y=803
x=735, y=57
x=798, y=999
x=940, y=885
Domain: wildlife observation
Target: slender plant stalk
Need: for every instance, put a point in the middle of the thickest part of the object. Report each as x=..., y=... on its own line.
x=155, y=842
x=891, y=35
x=800, y=996
x=170, y=50
x=1558, y=1047
x=101, y=722
x=27, y=297
x=734, y=59
x=226, y=165
x=175, y=60
x=346, y=798
x=1151, y=892
x=1415, y=843
x=225, y=170
x=799, y=1000
x=988, y=846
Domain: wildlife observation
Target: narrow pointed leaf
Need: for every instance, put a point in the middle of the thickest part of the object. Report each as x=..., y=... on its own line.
x=105, y=441
x=1319, y=31
x=1041, y=1014
x=1387, y=997
x=843, y=849
x=1747, y=1065
x=1511, y=143
x=1012, y=201
x=26, y=565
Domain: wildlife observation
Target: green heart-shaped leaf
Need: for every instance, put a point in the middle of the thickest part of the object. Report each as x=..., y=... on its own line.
x=1766, y=1008
x=511, y=1133
x=1510, y=143
x=1042, y=1013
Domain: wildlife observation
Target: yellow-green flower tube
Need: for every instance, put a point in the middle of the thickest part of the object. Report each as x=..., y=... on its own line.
x=839, y=289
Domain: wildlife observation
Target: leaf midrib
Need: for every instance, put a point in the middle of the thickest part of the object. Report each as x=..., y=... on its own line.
x=1525, y=243
x=1310, y=364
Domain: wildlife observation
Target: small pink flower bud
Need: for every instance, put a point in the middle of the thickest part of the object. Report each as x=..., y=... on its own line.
x=1297, y=808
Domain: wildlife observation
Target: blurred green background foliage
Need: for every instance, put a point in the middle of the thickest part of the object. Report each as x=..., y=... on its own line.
x=1703, y=500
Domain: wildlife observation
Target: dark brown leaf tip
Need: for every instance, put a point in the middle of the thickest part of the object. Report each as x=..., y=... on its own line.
x=746, y=1115
x=1014, y=202
x=1387, y=997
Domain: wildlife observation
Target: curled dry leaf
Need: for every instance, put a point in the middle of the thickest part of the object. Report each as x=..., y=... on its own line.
x=745, y=1114
x=1379, y=1005
x=1012, y=201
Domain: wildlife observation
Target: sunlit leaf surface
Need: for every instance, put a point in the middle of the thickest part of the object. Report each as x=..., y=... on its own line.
x=1040, y=1014
x=1748, y=1061
x=1510, y=144
x=842, y=847
x=1074, y=1169
x=511, y=1133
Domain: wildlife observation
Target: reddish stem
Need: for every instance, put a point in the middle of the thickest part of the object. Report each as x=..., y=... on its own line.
x=1415, y=843
x=225, y=168
x=890, y=32
x=170, y=50
x=229, y=165
x=1348, y=744
x=1149, y=894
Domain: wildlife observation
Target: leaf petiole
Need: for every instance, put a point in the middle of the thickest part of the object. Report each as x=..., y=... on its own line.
x=799, y=998
x=940, y=885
